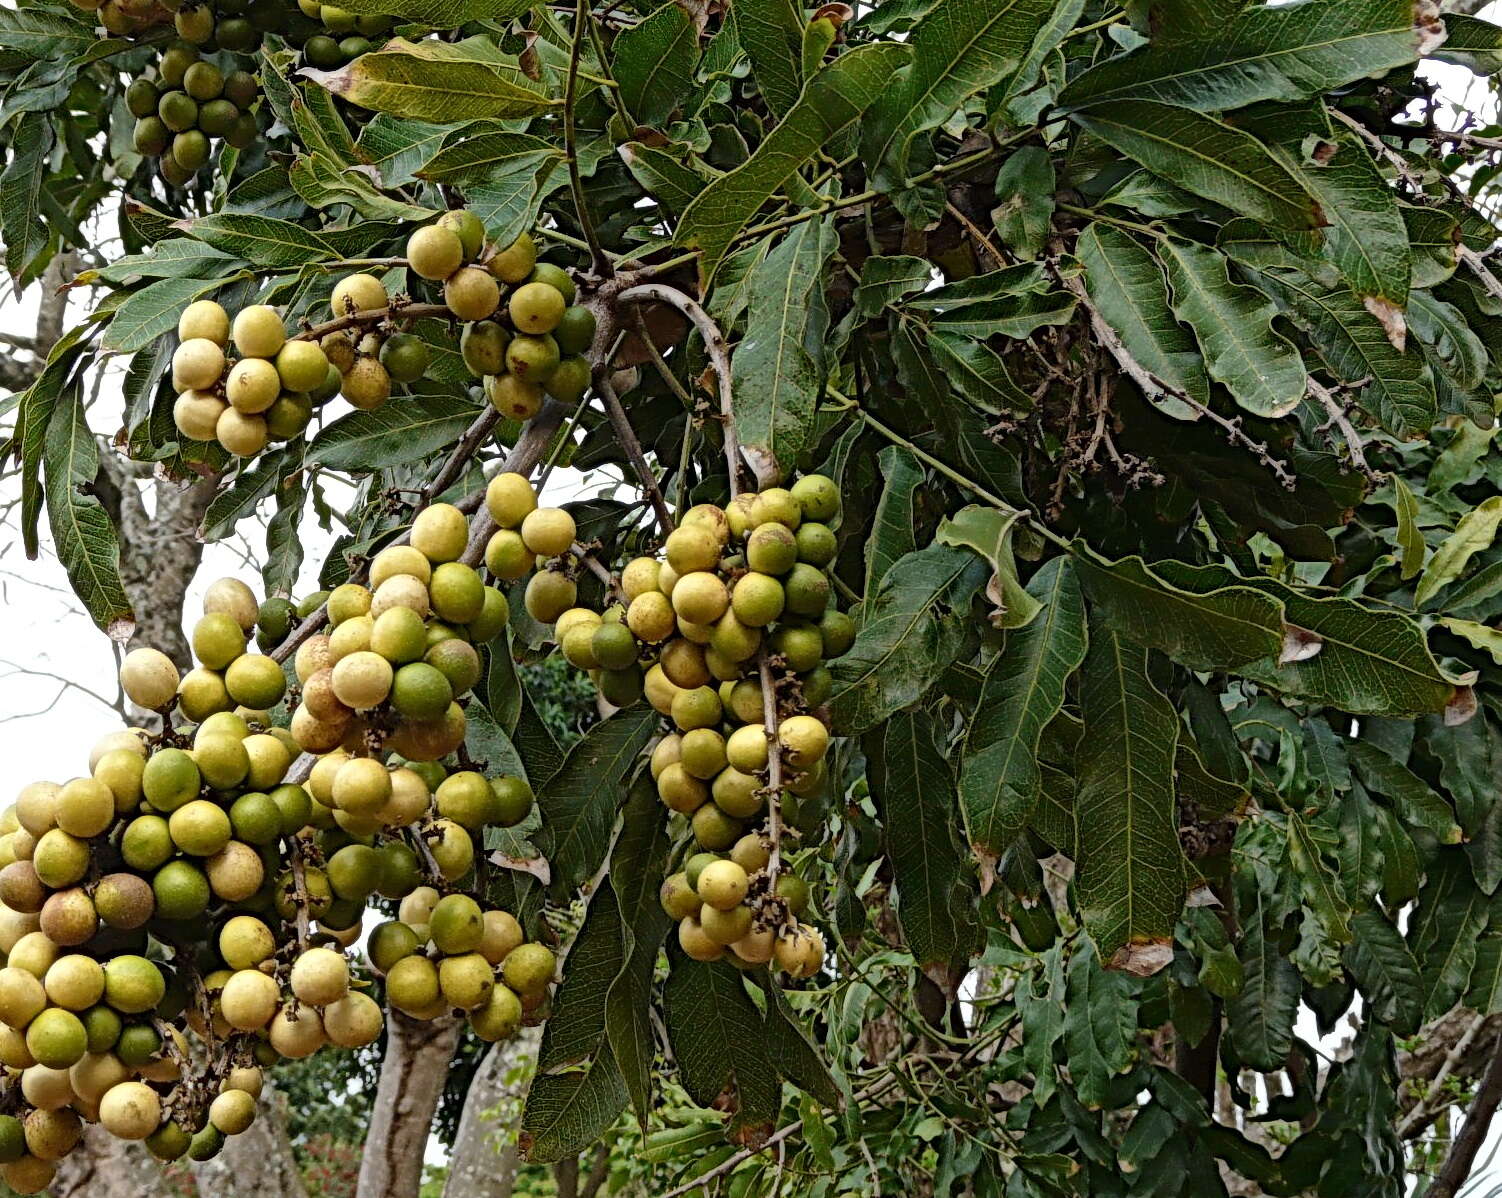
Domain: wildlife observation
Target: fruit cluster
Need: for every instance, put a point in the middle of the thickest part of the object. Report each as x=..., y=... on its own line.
x=398, y=656
x=373, y=354
x=266, y=394
x=187, y=103
x=343, y=35
x=739, y=598
x=532, y=345
x=169, y=896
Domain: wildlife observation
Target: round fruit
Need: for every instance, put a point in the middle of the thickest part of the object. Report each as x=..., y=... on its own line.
x=353, y=1021
x=514, y=263
x=722, y=885
x=357, y=293
x=457, y=924
x=243, y=435
x=700, y=597
x=362, y=680
x=817, y=496
x=536, y=308
x=232, y=1112
x=301, y=365
x=576, y=330
x=690, y=549
x=800, y=954
x=412, y=985
x=202, y=318
x=255, y=681
x=467, y=227
x=528, y=968
x=440, y=532
x=500, y=1016
x=133, y=984
x=694, y=942
x=320, y=976
x=434, y=252
x=259, y=332
x=405, y=357
x=249, y=1000
x=197, y=364
x=181, y=890
x=466, y=980
x=555, y=277
x=130, y=1111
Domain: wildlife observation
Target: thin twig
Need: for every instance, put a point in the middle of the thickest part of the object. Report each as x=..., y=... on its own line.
x=1478, y=1121
x=774, y=764
x=1338, y=417
x=1420, y=1110
x=474, y=437
x=373, y=316
x=626, y=435
x=1480, y=269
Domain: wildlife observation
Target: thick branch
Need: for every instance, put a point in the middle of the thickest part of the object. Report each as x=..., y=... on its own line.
x=1478, y=1120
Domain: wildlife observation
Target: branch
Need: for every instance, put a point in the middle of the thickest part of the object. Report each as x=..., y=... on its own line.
x=373, y=316
x=1342, y=421
x=1419, y=1112
x=774, y=765
x=626, y=435
x=469, y=444
x=719, y=359
x=599, y=263
x=1478, y=1120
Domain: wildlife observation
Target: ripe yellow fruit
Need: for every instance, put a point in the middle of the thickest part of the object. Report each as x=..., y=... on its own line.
x=130, y=1111
x=357, y=293
x=690, y=549
x=472, y=293
x=528, y=969
x=756, y=946
x=253, y=385
x=320, y=976
x=536, y=308
x=651, y=617
x=800, y=953
x=639, y=577
x=245, y=942
x=694, y=942
x=249, y=1000
x=366, y=384
x=206, y=319
x=723, y=885
x=502, y=934
x=85, y=807
x=362, y=786
x=510, y=499
x=232, y=1112
x=196, y=414
x=149, y=678
x=804, y=740
x=548, y=531
x=513, y=396
x=362, y=680
x=197, y=365
x=434, y=252
x=243, y=435
x=259, y=331
x=412, y=985
x=440, y=532
x=399, y=559
x=400, y=590
x=700, y=597
x=353, y=1021
x=297, y=1034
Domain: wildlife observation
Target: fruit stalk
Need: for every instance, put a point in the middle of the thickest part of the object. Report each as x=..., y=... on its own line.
x=774, y=765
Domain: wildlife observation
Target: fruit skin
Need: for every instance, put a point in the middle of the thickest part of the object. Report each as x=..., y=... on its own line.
x=534, y=359
x=197, y=364
x=514, y=397
x=722, y=885
x=555, y=277
x=548, y=532
x=528, y=968
x=149, y=677
x=514, y=263
x=366, y=384
x=435, y=253
x=130, y=1111
x=258, y=331
x=357, y=293
x=467, y=227
x=201, y=318
x=817, y=496
x=482, y=345
x=472, y=294
x=405, y=357
x=575, y=332
x=301, y=365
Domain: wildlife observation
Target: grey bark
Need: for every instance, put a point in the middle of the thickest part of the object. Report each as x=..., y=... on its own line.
x=484, y=1159
x=412, y=1077
x=23, y=357
x=104, y=1167
x=258, y=1163
x=1465, y=7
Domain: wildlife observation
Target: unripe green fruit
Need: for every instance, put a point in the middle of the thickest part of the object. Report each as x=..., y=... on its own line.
x=536, y=308
x=288, y=416
x=151, y=136
x=467, y=227
x=453, y=850
x=244, y=132
x=178, y=111
x=482, y=345
x=569, y=381
x=440, y=532
x=817, y=496
x=208, y=1141
x=576, y=330
x=336, y=20
x=323, y=52
x=202, y=318
x=405, y=357
x=133, y=984
x=513, y=800
x=714, y=829
x=623, y=687
x=175, y=63
x=366, y=385
x=255, y=681
x=507, y=556
x=533, y=359
x=725, y=927
x=807, y=589
x=357, y=293
x=258, y=332
x=412, y=985
x=241, y=88
x=514, y=397
x=456, y=592
x=549, y=594
x=389, y=943
x=703, y=752
x=678, y=898
x=456, y=661
x=733, y=640
x=816, y=544
x=500, y=1016
x=836, y=632
x=222, y=760
x=348, y=601
x=771, y=549
x=528, y=968
x=237, y=34
x=495, y=614
x=457, y=924
x=738, y=794
x=434, y=252
x=147, y=842
x=555, y=277
x=169, y=1142
x=802, y=647
x=398, y=635
x=203, y=81
x=181, y=890
x=420, y=692
x=613, y=646
x=514, y=263
x=301, y=365
x=817, y=685
x=217, y=118
x=472, y=294
x=141, y=97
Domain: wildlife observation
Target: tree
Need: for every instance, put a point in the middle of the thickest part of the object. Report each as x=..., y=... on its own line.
x=1152, y=355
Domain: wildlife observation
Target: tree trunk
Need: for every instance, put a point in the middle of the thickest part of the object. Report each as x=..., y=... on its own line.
x=484, y=1160
x=258, y=1163
x=104, y=1167
x=412, y=1076
x=1465, y=7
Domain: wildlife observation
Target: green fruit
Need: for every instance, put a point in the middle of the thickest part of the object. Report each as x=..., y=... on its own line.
x=354, y=872
x=433, y=252
x=217, y=118
x=336, y=20
x=323, y=52
x=241, y=88
x=133, y=985
x=203, y=81
x=536, y=308
x=222, y=760
x=836, y=632
x=457, y=924
x=468, y=228
x=289, y=415
x=255, y=681
x=293, y=806
x=514, y=263
x=151, y=136
x=714, y=829
x=146, y=843
x=548, y=595
x=495, y=614
x=621, y=688
x=513, y=800
x=178, y=111
x=817, y=496
x=244, y=132
x=195, y=25
x=405, y=357
x=738, y=794
x=532, y=359
x=807, y=590
x=817, y=685
x=456, y=593
x=457, y=661
x=141, y=98
x=56, y=1038
x=771, y=549
x=801, y=646
x=301, y=365
x=576, y=330
x=816, y=544
x=555, y=277
x=399, y=635
x=399, y=870
x=237, y=34
x=181, y=890
x=389, y=943
x=613, y=646
x=482, y=345
x=569, y=381
x=217, y=640
x=175, y=63
x=103, y=1027
x=138, y=1043
x=703, y=753
x=528, y=968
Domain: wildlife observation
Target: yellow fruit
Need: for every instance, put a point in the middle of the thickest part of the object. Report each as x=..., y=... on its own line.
x=412, y=985
x=362, y=680
x=259, y=332
x=441, y=532
x=499, y=1017
x=362, y=786
x=509, y=498
x=746, y=749
x=312, y=656
x=232, y=1112
x=723, y=885
x=695, y=943
x=357, y=293
x=203, y=319
x=51, y=1135
x=353, y=1021
x=710, y=516
x=400, y=590
x=536, y=308
x=514, y=397
x=514, y=263
x=245, y=941
x=320, y=976
x=434, y=252
x=196, y=414
x=725, y=927
x=249, y=1000
x=465, y=980
x=197, y=365
x=366, y=385
x=800, y=953
x=651, y=617
x=301, y=365
x=253, y=385
x=236, y=872
x=399, y=559
x=756, y=946
x=700, y=597
x=241, y=434
x=528, y=969
x=472, y=293
x=297, y=1034
x=149, y=678
x=639, y=577
x=548, y=532
x=804, y=740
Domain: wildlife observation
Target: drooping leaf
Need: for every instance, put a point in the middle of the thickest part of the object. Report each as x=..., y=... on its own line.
x=152, y=311
x=1127, y=286
x=893, y=531
x=886, y=278
x=1385, y=970
x=505, y=177
x=1024, y=200
x=771, y=34
x=263, y=240
x=21, y=224
x=393, y=433
x=1471, y=42
x=654, y=63
x=1411, y=797
x=1410, y=539
x=1260, y=1018
x=914, y=789
x=831, y=102
x=978, y=373
x=1207, y=157
x=989, y=531
x=1100, y=1026
x=1233, y=324
x=715, y=1032
x=1130, y=870
x=1023, y=690
x=1475, y=532
x=778, y=368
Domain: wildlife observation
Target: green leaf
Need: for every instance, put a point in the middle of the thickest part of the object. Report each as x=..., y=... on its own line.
x=1484, y=994
x=654, y=63
x=1444, y=930
x=1100, y=1027
x=1031, y=88
x=324, y=183
x=771, y=34
x=1399, y=392
x=1472, y=43
x=81, y=529
x=716, y=1034
x=1318, y=885
x=1433, y=243
x=1417, y=805
x=978, y=373
x=910, y=629
x=1207, y=157
x=1018, y=317
x=886, y=279
x=284, y=542
x=1470, y=770
x=1203, y=628
x=153, y=311
x=262, y=240
x=1260, y=1018
x=1127, y=287
x=33, y=418
x=567, y=1112
x=1023, y=690
x=397, y=149
x=21, y=225
x=1386, y=972
x=1130, y=869
x=779, y=366
x=443, y=14
x=893, y=532
x=504, y=176
x=1024, y=200
x=673, y=179
x=914, y=789
x=1410, y=539
x=1475, y=532
x=392, y=434
x=959, y=48
x=180, y=257
x=831, y=102
x=988, y=531
x=579, y=801
x=1284, y=53
x=1480, y=636
x=437, y=81
x=1233, y=324
x=254, y=483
